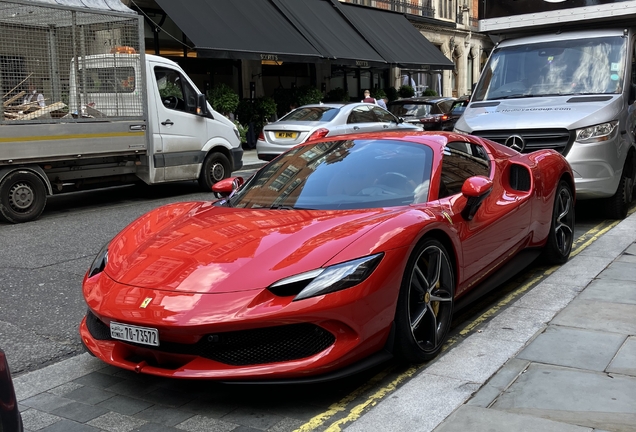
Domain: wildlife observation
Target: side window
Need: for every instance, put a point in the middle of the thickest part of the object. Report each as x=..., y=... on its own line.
x=461, y=160
x=384, y=116
x=175, y=92
x=361, y=114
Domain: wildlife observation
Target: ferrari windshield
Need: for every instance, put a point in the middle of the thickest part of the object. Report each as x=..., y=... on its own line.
x=566, y=67
x=349, y=174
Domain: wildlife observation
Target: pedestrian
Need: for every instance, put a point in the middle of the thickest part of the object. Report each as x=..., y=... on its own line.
x=382, y=102
x=34, y=96
x=368, y=98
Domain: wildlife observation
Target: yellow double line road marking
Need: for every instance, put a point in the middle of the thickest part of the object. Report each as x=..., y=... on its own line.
x=355, y=412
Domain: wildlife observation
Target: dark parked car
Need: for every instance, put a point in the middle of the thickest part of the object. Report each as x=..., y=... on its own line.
x=427, y=112
x=10, y=419
x=457, y=109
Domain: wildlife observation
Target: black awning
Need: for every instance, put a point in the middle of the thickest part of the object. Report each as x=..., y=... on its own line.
x=324, y=26
x=395, y=38
x=245, y=29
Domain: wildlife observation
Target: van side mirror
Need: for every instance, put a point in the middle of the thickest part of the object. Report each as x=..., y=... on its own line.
x=475, y=189
x=202, y=105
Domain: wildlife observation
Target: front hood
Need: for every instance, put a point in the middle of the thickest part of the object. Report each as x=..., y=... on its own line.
x=200, y=248
x=569, y=112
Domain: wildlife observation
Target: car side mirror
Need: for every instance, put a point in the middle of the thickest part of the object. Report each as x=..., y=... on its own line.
x=226, y=187
x=632, y=94
x=202, y=106
x=475, y=189
x=400, y=120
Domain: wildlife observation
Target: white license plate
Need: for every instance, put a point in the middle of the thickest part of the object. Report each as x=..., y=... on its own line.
x=129, y=333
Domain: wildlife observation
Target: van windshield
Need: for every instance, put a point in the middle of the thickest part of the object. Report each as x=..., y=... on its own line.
x=566, y=67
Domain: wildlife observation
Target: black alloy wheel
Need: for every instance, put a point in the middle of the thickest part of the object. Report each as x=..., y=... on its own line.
x=561, y=235
x=216, y=167
x=22, y=197
x=425, y=304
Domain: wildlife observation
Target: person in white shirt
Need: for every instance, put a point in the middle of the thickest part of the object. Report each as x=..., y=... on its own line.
x=381, y=102
x=34, y=95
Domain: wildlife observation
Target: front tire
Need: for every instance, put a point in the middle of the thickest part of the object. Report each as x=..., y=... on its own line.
x=425, y=304
x=561, y=236
x=22, y=197
x=618, y=204
x=216, y=167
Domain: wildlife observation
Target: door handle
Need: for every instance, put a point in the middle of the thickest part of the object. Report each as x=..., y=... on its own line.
x=356, y=128
x=385, y=126
x=167, y=123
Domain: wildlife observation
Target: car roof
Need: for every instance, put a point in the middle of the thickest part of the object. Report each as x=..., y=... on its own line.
x=334, y=104
x=431, y=99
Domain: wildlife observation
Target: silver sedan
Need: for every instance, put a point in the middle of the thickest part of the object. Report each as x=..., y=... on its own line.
x=320, y=120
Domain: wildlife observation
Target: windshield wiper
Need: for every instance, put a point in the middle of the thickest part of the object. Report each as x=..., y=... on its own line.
x=514, y=96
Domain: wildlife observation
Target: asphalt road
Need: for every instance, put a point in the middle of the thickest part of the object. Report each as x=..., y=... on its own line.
x=42, y=264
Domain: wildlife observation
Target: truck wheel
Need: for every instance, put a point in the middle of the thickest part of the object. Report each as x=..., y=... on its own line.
x=618, y=205
x=216, y=167
x=22, y=197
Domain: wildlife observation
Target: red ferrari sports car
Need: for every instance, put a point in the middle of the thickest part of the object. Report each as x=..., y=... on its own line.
x=332, y=258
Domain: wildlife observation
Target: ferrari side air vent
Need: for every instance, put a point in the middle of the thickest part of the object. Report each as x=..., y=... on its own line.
x=519, y=178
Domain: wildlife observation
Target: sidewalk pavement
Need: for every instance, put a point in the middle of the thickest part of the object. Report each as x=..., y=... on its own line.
x=561, y=358
x=568, y=350
x=251, y=160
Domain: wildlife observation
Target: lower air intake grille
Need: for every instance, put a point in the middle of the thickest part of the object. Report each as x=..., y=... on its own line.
x=242, y=348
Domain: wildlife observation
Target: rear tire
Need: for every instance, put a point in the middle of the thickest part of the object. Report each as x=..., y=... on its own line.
x=216, y=167
x=425, y=303
x=22, y=197
x=561, y=236
x=618, y=204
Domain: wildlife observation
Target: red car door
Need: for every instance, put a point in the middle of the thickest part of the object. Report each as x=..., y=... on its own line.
x=500, y=226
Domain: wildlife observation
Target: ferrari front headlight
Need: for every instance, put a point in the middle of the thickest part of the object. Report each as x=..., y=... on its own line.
x=330, y=279
x=100, y=261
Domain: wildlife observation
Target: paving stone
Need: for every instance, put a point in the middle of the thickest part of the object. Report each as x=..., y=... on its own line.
x=582, y=349
x=209, y=408
x=285, y=425
x=89, y=395
x=470, y=418
x=498, y=382
x=625, y=360
x=163, y=396
x=46, y=402
x=69, y=426
x=578, y=271
x=114, y=422
x=610, y=291
x=548, y=297
x=628, y=259
x=620, y=271
x=154, y=427
x=132, y=388
x=517, y=324
x=35, y=420
x=65, y=388
x=44, y=379
x=410, y=406
x=475, y=359
x=164, y=415
x=200, y=423
x=256, y=418
x=99, y=380
x=79, y=412
x=573, y=396
x=595, y=315
x=124, y=405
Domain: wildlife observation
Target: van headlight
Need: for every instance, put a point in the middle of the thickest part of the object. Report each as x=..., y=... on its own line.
x=598, y=133
x=461, y=132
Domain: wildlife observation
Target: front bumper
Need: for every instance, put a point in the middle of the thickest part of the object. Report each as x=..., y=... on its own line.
x=597, y=168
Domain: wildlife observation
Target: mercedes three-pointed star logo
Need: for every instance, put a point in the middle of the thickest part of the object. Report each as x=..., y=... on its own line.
x=516, y=142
